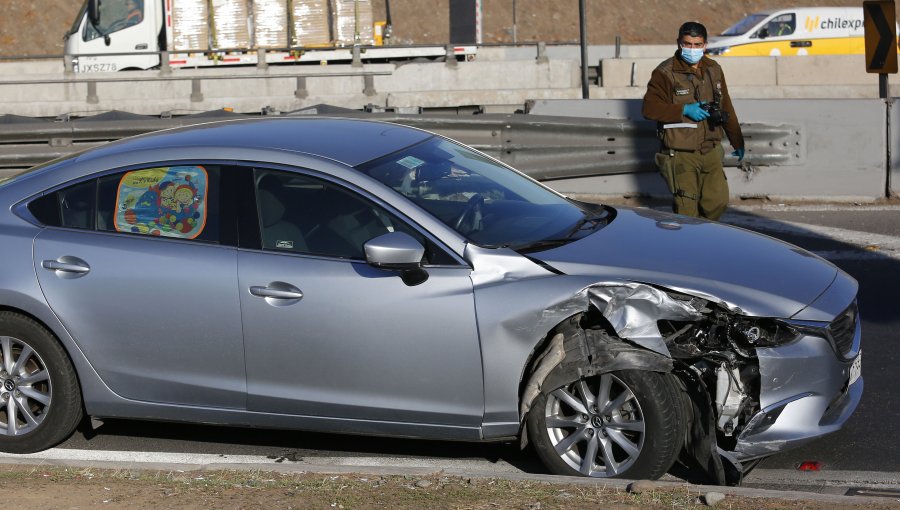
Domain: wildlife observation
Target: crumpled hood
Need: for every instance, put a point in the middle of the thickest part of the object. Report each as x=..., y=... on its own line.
x=751, y=272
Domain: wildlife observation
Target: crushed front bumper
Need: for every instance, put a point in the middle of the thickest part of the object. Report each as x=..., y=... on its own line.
x=807, y=390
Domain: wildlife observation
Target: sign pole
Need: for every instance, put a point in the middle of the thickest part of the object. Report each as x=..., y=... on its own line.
x=585, y=91
x=883, y=85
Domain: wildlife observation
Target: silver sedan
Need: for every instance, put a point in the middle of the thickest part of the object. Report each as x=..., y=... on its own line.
x=362, y=277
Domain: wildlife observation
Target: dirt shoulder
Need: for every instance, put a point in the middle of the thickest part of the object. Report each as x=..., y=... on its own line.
x=61, y=487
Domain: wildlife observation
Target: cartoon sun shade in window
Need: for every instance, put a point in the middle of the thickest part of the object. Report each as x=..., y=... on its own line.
x=168, y=201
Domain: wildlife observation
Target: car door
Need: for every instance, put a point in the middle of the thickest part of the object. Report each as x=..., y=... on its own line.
x=138, y=276
x=327, y=335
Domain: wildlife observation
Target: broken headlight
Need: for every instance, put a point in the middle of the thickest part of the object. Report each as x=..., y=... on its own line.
x=762, y=332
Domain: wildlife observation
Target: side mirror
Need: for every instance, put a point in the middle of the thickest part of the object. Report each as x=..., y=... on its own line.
x=93, y=12
x=763, y=33
x=397, y=251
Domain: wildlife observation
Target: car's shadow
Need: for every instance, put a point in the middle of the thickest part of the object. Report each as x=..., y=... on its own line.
x=286, y=445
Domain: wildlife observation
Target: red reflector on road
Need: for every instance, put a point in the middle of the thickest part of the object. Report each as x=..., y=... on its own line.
x=809, y=465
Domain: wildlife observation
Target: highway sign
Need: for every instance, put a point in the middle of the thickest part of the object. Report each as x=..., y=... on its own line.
x=879, y=19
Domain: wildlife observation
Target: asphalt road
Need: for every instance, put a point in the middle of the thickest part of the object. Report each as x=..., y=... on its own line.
x=863, y=241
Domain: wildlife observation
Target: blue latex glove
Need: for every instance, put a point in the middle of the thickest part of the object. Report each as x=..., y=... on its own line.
x=739, y=153
x=694, y=112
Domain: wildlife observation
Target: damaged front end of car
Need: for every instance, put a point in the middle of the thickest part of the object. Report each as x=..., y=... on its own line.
x=749, y=386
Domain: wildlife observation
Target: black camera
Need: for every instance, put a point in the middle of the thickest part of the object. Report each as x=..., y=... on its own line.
x=716, y=116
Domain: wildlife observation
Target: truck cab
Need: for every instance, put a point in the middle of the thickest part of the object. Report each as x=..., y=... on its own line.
x=127, y=28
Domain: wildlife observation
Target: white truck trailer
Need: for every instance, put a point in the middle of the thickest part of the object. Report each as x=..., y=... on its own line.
x=118, y=35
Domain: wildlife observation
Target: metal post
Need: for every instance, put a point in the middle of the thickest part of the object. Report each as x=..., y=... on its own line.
x=515, y=27
x=196, y=93
x=369, y=85
x=92, y=97
x=164, y=66
x=261, y=62
x=357, y=58
x=542, y=53
x=585, y=93
x=301, y=92
x=618, y=46
x=888, y=186
x=69, y=65
x=883, y=86
x=450, y=58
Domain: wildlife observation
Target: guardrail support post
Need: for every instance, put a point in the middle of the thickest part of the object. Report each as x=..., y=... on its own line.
x=542, y=53
x=92, y=97
x=357, y=59
x=369, y=82
x=261, y=59
x=69, y=65
x=450, y=58
x=164, y=66
x=301, y=92
x=196, y=93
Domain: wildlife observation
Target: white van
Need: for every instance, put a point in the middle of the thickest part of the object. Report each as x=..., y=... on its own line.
x=800, y=31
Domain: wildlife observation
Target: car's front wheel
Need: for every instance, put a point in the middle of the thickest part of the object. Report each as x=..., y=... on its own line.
x=40, y=398
x=623, y=424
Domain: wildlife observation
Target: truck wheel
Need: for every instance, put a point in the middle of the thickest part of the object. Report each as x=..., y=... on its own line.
x=40, y=398
x=621, y=424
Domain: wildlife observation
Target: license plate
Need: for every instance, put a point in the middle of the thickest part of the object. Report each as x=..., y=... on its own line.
x=856, y=368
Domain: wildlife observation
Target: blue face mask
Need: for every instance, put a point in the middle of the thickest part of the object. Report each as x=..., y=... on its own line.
x=691, y=55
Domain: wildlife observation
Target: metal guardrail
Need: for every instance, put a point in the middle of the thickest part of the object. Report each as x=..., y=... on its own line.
x=196, y=80
x=543, y=147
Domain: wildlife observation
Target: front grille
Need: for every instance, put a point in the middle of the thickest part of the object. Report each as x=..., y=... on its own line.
x=843, y=329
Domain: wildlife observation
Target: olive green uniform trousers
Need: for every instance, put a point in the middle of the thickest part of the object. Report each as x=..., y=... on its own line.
x=696, y=180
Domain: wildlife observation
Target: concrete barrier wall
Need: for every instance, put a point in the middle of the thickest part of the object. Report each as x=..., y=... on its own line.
x=432, y=84
x=753, y=71
x=502, y=85
x=844, y=159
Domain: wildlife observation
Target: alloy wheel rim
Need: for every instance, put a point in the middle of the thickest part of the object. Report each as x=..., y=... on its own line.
x=25, y=390
x=596, y=425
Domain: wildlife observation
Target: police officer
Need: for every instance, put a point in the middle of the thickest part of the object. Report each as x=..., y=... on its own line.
x=682, y=94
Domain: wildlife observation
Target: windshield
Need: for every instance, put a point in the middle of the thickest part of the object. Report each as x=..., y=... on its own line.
x=115, y=15
x=743, y=26
x=488, y=203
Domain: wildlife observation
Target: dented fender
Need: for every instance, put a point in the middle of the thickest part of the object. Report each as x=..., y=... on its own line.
x=574, y=353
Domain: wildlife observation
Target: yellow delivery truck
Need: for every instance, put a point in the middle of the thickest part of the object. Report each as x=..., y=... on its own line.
x=799, y=31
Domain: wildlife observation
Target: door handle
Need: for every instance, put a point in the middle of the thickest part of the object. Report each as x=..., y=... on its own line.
x=801, y=44
x=142, y=46
x=270, y=292
x=67, y=267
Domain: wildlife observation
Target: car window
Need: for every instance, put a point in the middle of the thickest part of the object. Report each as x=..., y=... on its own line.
x=76, y=206
x=170, y=201
x=115, y=15
x=72, y=207
x=781, y=26
x=488, y=203
x=301, y=214
x=178, y=201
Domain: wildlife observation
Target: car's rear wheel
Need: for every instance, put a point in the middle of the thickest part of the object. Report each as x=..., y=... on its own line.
x=40, y=398
x=621, y=424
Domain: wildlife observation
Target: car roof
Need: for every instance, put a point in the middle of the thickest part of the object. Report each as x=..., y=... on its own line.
x=833, y=11
x=348, y=141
